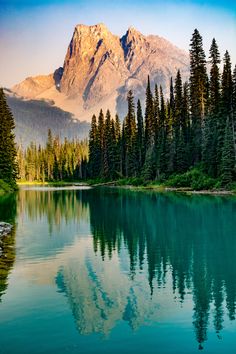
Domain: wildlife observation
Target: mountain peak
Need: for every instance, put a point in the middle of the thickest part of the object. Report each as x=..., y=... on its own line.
x=133, y=30
x=99, y=28
x=99, y=69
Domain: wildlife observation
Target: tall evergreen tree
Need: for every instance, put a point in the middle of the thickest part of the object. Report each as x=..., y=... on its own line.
x=214, y=84
x=234, y=109
x=8, y=165
x=100, y=142
x=140, y=137
x=179, y=127
x=198, y=93
x=130, y=138
x=211, y=128
x=118, y=150
x=226, y=106
x=162, y=161
x=93, y=148
x=228, y=159
x=149, y=117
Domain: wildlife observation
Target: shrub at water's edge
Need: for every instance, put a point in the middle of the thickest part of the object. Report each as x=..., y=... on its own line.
x=194, y=179
x=5, y=187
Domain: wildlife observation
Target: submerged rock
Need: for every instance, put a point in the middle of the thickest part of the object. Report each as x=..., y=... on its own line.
x=5, y=229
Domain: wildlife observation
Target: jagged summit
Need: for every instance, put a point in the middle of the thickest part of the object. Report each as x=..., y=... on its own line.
x=100, y=67
x=99, y=29
x=133, y=31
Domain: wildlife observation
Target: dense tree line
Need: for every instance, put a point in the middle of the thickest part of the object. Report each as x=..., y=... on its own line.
x=56, y=161
x=195, y=126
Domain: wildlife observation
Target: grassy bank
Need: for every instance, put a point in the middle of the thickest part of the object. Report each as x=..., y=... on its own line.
x=192, y=181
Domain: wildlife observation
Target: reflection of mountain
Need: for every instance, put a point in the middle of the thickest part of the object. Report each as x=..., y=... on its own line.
x=98, y=292
x=7, y=258
x=100, y=295
x=193, y=235
x=143, y=243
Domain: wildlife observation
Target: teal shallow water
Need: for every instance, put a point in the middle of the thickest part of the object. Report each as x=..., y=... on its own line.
x=115, y=271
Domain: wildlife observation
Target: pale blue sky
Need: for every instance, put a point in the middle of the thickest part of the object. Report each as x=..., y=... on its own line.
x=35, y=34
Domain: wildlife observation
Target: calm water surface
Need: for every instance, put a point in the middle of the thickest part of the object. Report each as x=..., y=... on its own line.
x=116, y=271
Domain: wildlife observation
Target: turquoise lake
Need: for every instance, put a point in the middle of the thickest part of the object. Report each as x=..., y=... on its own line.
x=113, y=271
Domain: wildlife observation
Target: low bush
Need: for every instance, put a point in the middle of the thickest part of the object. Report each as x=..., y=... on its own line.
x=5, y=187
x=194, y=179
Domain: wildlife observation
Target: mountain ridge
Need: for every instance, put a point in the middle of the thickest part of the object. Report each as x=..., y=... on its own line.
x=100, y=67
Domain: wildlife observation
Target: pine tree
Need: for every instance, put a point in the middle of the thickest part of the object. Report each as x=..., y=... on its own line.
x=118, y=150
x=130, y=138
x=100, y=142
x=234, y=109
x=226, y=105
x=227, y=86
x=211, y=128
x=93, y=148
x=150, y=149
x=214, y=84
x=171, y=130
x=162, y=161
x=149, y=118
x=228, y=159
x=186, y=123
x=8, y=165
x=108, y=157
x=198, y=93
x=50, y=156
x=156, y=108
x=140, y=137
x=181, y=156
x=179, y=127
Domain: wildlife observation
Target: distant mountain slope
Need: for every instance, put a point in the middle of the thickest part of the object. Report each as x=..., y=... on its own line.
x=33, y=118
x=99, y=68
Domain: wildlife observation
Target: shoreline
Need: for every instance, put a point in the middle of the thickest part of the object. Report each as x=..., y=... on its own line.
x=117, y=184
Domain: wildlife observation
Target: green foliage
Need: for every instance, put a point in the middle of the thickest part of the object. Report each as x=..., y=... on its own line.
x=8, y=165
x=194, y=179
x=198, y=93
x=228, y=158
x=134, y=181
x=5, y=187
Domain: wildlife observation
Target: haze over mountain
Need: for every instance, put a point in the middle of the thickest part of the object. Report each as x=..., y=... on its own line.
x=33, y=118
x=99, y=68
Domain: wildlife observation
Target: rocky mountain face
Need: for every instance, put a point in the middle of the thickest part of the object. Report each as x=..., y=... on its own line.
x=100, y=68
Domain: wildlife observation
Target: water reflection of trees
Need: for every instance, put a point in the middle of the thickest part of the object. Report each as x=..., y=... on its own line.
x=7, y=258
x=192, y=236
x=56, y=206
